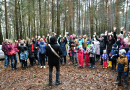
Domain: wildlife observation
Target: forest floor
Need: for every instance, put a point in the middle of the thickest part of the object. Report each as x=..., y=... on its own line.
x=72, y=78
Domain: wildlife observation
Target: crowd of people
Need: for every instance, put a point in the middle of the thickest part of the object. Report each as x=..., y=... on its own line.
x=112, y=49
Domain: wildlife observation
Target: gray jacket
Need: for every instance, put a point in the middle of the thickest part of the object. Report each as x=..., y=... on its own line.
x=92, y=51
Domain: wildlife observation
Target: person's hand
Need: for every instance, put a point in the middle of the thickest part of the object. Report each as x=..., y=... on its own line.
x=124, y=31
x=106, y=33
x=114, y=29
x=94, y=33
x=60, y=36
x=25, y=60
x=24, y=44
x=121, y=28
x=109, y=54
x=65, y=35
x=47, y=34
x=113, y=55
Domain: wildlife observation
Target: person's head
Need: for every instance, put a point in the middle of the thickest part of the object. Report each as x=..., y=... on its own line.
x=104, y=51
x=19, y=40
x=114, y=45
x=110, y=38
x=71, y=36
x=52, y=40
x=122, y=52
x=85, y=36
x=63, y=39
x=80, y=37
x=6, y=40
x=39, y=37
x=41, y=40
x=91, y=46
x=74, y=36
x=129, y=37
x=118, y=37
x=102, y=36
x=22, y=50
x=29, y=41
x=88, y=42
x=80, y=46
x=22, y=42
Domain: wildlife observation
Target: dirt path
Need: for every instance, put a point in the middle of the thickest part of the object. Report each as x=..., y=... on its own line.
x=73, y=78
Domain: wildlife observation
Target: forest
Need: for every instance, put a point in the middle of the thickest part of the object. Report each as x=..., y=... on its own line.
x=27, y=18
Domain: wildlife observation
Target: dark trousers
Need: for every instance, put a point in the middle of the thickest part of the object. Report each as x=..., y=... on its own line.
x=113, y=64
x=97, y=57
x=57, y=73
x=92, y=60
x=108, y=52
x=19, y=57
x=101, y=52
x=119, y=77
x=61, y=60
x=31, y=59
x=24, y=64
x=15, y=59
x=42, y=59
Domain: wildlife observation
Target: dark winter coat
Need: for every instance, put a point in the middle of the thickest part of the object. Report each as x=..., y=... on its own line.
x=63, y=47
x=5, y=48
x=22, y=47
x=110, y=43
x=30, y=52
x=114, y=52
x=117, y=42
x=102, y=43
x=53, y=60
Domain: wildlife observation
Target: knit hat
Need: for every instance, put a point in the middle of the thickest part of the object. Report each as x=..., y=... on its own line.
x=71, y=36
x=103, y=35
x=88, y=42
x=19, y=40
x=79, y=36
x=114, y=45
x=122, y=51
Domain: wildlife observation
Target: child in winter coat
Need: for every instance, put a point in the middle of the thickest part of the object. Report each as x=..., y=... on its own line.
x=23, y=58
x=122, y=67
x=80, y=56
x=114, y=55
x=104, y=57
x=86, y=53
x=88, y=44
x=92, y=56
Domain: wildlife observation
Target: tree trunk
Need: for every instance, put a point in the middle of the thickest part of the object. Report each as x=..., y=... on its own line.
x=40, y=18
x=52, y=16
x=126, y=15
x=6, y=20
x=29, y=19
x=34, y=18
x=91, y=17
x=79, y=32
x=58, y=19
x=16, y=19
x=1, y=36
x=70, y=17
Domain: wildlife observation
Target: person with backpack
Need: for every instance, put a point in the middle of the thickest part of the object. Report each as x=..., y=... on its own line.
x=42, y=51
x=53, y=59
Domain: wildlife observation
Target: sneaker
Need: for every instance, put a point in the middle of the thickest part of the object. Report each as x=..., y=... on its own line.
x=58, y=83
x=44, y=66
x=125, y=86
x=76, y=64
x=93, y=66
x=119, y=84
x=72, y=63
x=13, y=68
x=41, y=67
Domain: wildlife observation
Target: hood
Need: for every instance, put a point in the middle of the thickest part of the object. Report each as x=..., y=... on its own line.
x=53, y=40
x=4, y=42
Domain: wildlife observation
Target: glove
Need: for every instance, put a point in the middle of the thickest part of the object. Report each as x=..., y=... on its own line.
x=125, y=73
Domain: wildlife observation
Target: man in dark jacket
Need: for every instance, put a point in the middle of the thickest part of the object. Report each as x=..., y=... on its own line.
x=53, y=60
x=5, y=50
x=102, y=44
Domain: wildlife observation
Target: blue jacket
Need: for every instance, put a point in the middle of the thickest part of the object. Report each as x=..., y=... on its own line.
x=128, y=57
x=42, y=46
x=114, y=52
x=23, y=56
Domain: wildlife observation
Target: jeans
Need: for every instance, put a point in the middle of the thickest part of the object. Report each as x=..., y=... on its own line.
x=57, y=73
x=38, y=58
x=74, y=56
x=15, y=58
x=62, y=60
x=101, y=52
x=42, y=59
x=5, y=62
x=11, y=57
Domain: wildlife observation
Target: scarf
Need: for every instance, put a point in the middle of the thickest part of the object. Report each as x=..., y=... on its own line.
x=32, y=47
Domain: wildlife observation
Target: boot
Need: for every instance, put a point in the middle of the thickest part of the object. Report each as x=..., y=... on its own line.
x=58, y=83
x=50, y=83
x=125, y=85
x=93, y=66
x=90, y=65
x=110, y=64
x=119, y=84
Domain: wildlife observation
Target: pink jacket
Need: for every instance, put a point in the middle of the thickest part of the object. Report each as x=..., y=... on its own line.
x=123, y=44
x=12, y=47
x=80, y=54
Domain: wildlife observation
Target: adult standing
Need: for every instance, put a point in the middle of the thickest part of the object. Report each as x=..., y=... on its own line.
x=42, y=52
x=53, y=60
x=5, y=50
x=30, y=52
x=63, y=43
x=102, y=44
